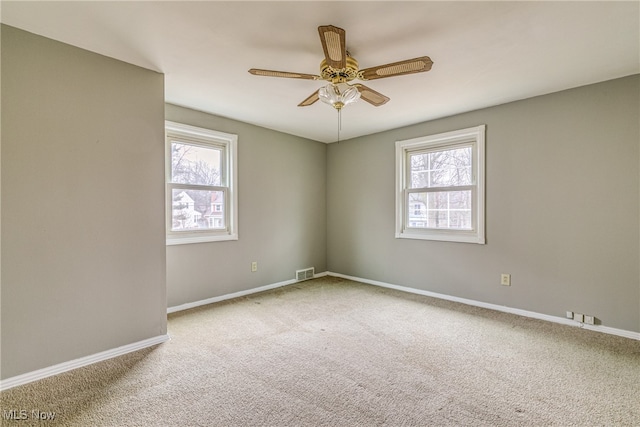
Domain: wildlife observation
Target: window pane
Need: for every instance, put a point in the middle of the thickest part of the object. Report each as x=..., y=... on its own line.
x=192, y=164
x=441, y=168
x=440, y=209
x=197, y=210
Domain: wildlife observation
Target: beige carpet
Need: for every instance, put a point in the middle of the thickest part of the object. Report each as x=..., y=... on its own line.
x=332, y=352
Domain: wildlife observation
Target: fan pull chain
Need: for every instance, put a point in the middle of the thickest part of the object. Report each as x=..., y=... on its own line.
x=339, y=123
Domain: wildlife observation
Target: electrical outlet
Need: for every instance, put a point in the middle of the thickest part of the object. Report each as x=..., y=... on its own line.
x=505, y=279
x=254, y=266
x=578, y=317
x=569, y=314
x=590, y=320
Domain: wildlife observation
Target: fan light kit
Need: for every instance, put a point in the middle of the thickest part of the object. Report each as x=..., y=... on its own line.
x=339, y=68
x=338, y=95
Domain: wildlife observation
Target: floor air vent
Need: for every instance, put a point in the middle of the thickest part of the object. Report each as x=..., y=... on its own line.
x=304, y=274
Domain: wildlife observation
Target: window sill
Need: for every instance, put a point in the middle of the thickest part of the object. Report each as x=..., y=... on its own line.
x=187, y=240
x=459, y=237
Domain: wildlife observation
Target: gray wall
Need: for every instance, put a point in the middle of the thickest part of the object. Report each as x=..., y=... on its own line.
x=562, y=208
x=83, y=256
x=83, y=244
x=281, y=209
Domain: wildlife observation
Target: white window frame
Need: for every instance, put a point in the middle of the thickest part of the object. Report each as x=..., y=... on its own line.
x=474, y=137
x=229, y=183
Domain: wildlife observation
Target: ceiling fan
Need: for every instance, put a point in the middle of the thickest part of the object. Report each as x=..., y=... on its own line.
x=339, y=68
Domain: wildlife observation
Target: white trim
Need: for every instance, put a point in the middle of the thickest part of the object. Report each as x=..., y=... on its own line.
x=502, y=308
x=225, y=297
x=473, y=137
x=79, y=363
x=119, y=351
x=228, y=143
x=198, y=132
x=200, y=239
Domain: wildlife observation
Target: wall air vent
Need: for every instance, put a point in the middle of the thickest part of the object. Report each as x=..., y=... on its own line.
x=305, y=274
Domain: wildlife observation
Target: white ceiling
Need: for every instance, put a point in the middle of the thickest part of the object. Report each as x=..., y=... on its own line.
x=484, y=53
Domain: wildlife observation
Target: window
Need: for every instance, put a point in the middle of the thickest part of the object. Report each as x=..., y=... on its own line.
x=440, y=187
x=201, y=193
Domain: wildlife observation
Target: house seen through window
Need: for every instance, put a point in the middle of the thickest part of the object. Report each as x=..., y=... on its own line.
x=201, y=196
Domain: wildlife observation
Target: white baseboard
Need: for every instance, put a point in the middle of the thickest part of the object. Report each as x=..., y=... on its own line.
x=108, y=354
x=78, y=363
x=505, y=309
x=212, y=300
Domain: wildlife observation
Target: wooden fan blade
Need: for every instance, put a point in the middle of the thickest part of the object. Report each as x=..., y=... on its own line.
x=271, y=73
x=409, y=66
x=310, y=100
x=334, y=45
x=371, y=96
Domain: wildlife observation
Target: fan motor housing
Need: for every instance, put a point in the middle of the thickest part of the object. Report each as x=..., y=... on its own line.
x=346, y=74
